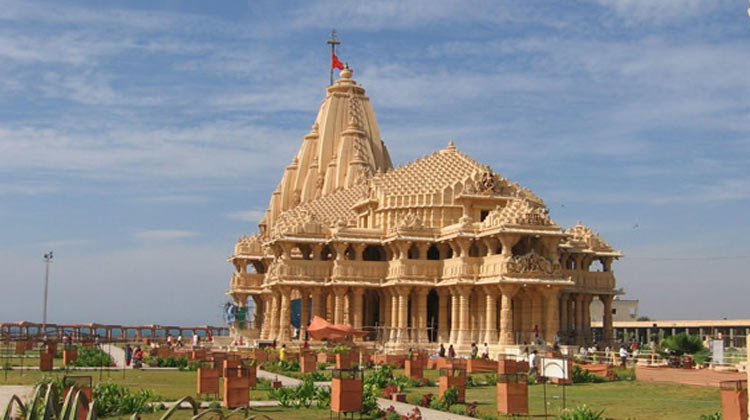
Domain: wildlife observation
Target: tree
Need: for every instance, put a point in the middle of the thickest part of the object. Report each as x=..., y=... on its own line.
x=682, y=344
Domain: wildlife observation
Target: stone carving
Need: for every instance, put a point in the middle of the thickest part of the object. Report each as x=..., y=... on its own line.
x=532, y=263
x=582, y=236
x=296, y=197
x=465, y=221
x=249, y=245
x=519, y=211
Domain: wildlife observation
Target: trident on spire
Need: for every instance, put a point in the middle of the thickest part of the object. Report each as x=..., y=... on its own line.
x=333, y=42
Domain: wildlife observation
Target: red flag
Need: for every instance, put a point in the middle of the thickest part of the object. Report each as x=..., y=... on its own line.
x=335, y=63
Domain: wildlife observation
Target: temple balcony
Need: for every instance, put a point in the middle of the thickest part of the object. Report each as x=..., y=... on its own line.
x=415, y=269
x=591, y=280
x=493, y=266
x=247, y=281
x=304, y=270
x=369, y=271
x=462, y=267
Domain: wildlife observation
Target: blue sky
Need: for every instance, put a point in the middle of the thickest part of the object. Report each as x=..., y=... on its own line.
x=138, y=140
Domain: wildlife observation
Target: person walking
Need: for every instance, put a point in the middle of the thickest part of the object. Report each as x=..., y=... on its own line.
x=451, y=352
x=441, y=352
x=623, y=356
x=128, y=355
x=485, y=352
x=282, y=353
x=474, y=350
x=138, y=358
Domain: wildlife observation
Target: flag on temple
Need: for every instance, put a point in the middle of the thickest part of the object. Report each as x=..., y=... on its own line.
x=335, y=63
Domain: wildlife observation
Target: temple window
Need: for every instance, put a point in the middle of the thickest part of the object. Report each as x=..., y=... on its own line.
x=350, y=253
x=326, y=254
x=433, y=253
x=413, y=252
x=374, y=253
x=483, y=215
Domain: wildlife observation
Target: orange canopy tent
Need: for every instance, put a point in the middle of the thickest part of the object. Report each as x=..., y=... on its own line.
x=320, y=329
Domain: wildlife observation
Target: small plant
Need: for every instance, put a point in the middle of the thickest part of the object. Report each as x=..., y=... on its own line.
x=471, y=409
x=485, y=416
x=91, y=357
x=714, y=416
x=215, y=404
x=582, y=412
x=426, y=400
x=581, y=376
x=116, y=400
x=391, y=414
x=389, y=391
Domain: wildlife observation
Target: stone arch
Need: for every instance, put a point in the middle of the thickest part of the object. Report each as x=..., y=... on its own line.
x=327, y=254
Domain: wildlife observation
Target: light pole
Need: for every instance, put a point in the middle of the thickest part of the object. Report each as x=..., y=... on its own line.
x=47, y=261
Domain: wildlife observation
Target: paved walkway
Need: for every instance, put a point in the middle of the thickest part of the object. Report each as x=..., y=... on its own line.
x=702, y=377
x=116, y=353
x=427, y=413
x=25, y=392
x=206, y=404
x=285, y=380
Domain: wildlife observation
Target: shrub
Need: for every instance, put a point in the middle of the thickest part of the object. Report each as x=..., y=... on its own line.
x=215, y=404
x=485, y=416
x=471, y=409
x=303, y=395
x=461, y=411
x=116, y=400
x=490, y=378
x=582, y=412
x=684, y=344
x=370, y=394
x=450, y=396
x=389, y=391
x=714, y=416
x=317, y=376
x=91, y=357
x=581, y=376
x=471, y=382
x=624, y=374
x=391, y=414
x=380, y=377
x=426, y=400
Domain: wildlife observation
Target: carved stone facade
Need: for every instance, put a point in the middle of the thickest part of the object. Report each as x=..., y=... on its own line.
x=439, y=250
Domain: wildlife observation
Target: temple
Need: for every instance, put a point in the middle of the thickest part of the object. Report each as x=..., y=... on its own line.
x=441, y=250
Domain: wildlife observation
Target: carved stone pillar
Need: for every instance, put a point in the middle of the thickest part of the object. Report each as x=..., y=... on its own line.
x=563, y=313
x=275, y=320
x=536, y=312
x=463, y=310
x=607, y=319
x=339, y=294
x=455, y=316
x=317, y=303
x=422, y=336
x=490, y=316
x=395, y=320
x=552, y=321
x=587, y=335
x=444, y=306
x=285, y=321
x=304, y=314
x=348, y=306
x=265, y=326
x=507, y=332
x=357, y=294
x=403, y=312
x=579, y=320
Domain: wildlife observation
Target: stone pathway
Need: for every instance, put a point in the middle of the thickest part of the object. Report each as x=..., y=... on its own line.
x=25, y=392
x=285, y=380
x=206, y=404
x=427, y=413
x=117, y=354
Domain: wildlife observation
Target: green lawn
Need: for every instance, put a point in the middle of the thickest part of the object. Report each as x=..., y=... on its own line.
x=275, y=413
x=619, y=400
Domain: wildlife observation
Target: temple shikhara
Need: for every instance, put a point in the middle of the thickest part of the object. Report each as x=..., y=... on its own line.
x=441, y=250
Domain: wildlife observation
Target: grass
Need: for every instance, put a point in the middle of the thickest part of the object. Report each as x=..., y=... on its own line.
x=275, y=413
x=623, y=400
x=170, y=384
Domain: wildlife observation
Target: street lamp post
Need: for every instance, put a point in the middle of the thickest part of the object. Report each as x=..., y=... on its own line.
x=47, y=261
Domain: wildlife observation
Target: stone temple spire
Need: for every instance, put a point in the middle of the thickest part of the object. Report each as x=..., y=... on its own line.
x=343, y=146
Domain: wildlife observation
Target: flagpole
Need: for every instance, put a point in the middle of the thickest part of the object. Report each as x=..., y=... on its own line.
x=333, y=42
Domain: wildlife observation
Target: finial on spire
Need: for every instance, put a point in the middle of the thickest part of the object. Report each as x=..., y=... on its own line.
x=335, y=63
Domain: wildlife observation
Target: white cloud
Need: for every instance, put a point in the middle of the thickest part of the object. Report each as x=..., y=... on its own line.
x=660, y=10
x=163, y=235
x=247, y=215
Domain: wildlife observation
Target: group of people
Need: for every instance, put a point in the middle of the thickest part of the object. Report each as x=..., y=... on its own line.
x=451, y=352
x=134, y=355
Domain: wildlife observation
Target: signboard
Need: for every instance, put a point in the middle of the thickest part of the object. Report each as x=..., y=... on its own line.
x=717, y=351
x=554, y=368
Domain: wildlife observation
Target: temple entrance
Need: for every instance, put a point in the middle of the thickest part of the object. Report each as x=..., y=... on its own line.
x=433, y=309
